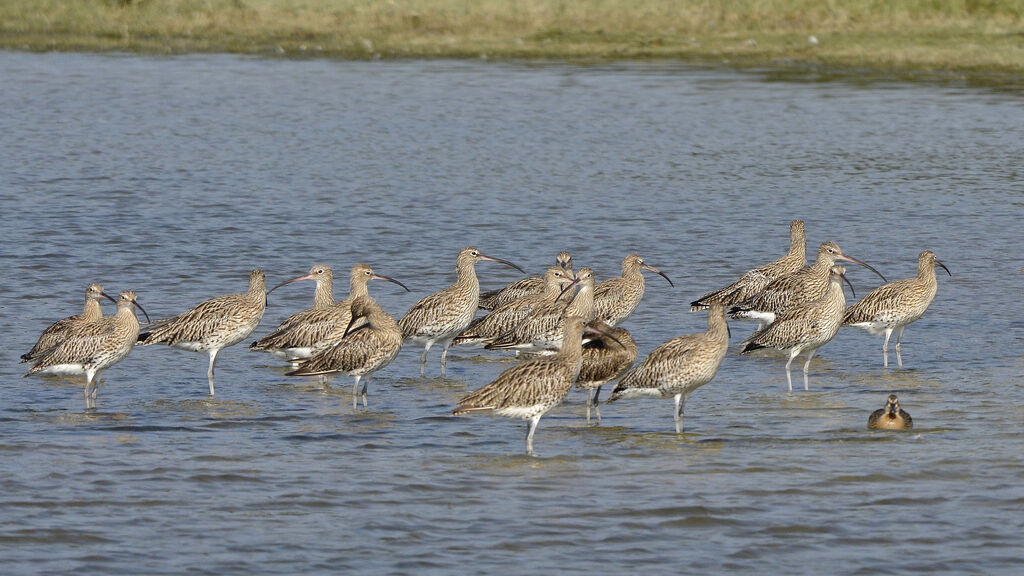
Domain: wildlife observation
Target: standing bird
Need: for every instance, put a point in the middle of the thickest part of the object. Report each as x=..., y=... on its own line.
x=616, y=298
x=311, y=331
x=529, y=389
x=493, y=299
x=605, y=358
x=511, y=314
x=757, y=279
x=65, y=327
x=94, y=347
x=364, y=348
x=214, y=324
x=892, y=417
x=679, y=366
x=805, y=327
x=804, y=285
x=890, y=307
x=443, y=315
x=541, y=332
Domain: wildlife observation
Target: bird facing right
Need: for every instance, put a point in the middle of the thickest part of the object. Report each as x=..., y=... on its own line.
x=891, y=307
x=679, y=366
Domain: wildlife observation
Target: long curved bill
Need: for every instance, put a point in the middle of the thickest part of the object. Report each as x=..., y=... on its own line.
x=937, y=263
x=591, y=328
x=143, y=310
x=500, y=261
x=296, y=279
x=114, y=300
x=568, y=287
x=380, y=277
x=843, y=276
x=864, y=264
x=659, y=273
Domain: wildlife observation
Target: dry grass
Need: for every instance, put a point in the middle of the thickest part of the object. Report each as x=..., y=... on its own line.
x=953, y=35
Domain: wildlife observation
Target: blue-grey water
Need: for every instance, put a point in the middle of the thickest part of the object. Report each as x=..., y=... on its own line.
x=174, y=176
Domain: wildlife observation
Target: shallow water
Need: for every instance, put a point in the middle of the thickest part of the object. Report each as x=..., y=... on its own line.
x=174, y=176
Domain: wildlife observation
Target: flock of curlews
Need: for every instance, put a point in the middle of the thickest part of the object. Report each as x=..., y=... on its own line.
x=564, y=326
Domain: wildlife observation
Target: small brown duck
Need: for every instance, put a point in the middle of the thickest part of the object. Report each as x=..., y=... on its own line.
x=892, y=417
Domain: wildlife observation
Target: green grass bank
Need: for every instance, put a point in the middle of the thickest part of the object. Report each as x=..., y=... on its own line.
x=944, y=36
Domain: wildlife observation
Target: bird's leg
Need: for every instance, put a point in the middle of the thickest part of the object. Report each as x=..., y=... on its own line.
x=444, y=358
x=366, y=382
x=529, y=435
x=680, y=405
x=789, y=378
x=593, y=402
x=899, y=343
x=885, y=349
x=807, y=366
x=423, y=358
x=209, y=373
x=88, y=389
x=355, y=392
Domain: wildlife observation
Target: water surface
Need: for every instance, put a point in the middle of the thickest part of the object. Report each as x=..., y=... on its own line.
x=174, y=176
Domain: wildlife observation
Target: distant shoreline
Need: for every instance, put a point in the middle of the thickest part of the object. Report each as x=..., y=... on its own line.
x=939, y=40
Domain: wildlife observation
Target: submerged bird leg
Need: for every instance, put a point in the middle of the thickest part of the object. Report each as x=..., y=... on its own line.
x=592, y=401
x=885, y=348
x=680, y=405
x=209, y=373
x=807, y=367
x=529, y=435
x=355, y=392
x=899, y=349
x=423, y=358
x=366, y=382
x=789, y=378
x=444, y=358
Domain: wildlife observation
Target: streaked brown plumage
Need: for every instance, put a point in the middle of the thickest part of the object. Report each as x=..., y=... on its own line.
x=605, y=358
x=364, y=349
x=65, y=327
x=94, y=347
x=494, y=299
x=679, y=366
x=757, y=279
x=805, y=285
x=312, y=331
x=443, y=315
x=512, y=313
x=892, y=417
x=804, y=327
x=529, y=389
x=541, y=331
x=616, y=298
x=214, y=324
x=891, y=307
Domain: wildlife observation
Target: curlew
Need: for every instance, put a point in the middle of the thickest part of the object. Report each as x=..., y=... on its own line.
x=65, y=327
x=541, y=331
x=533, y=285
x=214, y=324
x=311, y=331
x=678, y=367
x=892, y=417
x=891, y=307
x=616, y=298
x=364, y=348
x=805, y=327
x=605, y=358
x=805, y=285
x=511, y=314
x=529, y=389
x=443, y=315
x=94, y=347
x=757, y=279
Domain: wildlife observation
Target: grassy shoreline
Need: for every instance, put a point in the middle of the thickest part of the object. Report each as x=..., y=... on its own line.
x=964, y=37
